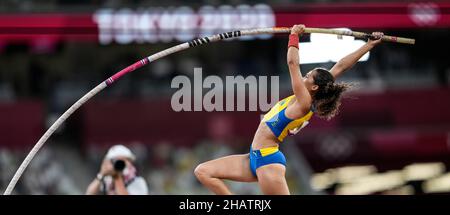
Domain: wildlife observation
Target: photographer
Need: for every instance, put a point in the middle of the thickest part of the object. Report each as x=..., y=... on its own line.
x=117, y=175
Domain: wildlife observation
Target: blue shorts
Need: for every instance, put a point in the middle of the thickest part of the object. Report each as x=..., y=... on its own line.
x=265, y=156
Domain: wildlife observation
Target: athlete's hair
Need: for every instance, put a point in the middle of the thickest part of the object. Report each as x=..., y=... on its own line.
x=327, y=97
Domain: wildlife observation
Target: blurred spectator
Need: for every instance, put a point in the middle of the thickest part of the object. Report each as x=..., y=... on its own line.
x=46, y=175
x=118, y=175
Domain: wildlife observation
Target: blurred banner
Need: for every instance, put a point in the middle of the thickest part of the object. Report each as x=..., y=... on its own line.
x=151, y=25
x=21, y=124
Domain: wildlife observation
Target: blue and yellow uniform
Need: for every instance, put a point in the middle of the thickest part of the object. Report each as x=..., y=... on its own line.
x=281, y=126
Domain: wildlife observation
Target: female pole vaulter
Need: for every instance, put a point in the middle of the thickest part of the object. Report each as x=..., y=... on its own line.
x=315, y=93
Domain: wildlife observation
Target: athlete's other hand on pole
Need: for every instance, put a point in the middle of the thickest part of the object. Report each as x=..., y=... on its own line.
x=298, y=29
x=376, y=38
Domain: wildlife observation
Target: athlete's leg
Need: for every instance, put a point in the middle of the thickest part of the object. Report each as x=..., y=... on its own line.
x=233, y=167
x=271, y=179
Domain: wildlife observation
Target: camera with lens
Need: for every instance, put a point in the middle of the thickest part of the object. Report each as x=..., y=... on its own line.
x=119, y=165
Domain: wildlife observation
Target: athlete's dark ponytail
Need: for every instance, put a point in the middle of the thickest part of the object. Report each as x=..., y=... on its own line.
x=327, y=97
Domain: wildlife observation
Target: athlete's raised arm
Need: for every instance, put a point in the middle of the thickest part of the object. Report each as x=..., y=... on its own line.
x=348, y=61
x=298, y=86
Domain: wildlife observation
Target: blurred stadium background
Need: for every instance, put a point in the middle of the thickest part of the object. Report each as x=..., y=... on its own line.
x=391, y=137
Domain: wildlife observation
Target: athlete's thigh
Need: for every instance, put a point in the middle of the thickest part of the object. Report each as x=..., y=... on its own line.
x=233, y=167
x=271, y=179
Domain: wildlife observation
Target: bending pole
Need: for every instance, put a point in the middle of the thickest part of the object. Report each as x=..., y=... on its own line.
x=161, y=54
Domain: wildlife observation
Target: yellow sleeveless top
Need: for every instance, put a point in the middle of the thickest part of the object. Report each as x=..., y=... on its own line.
x=281, y=125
